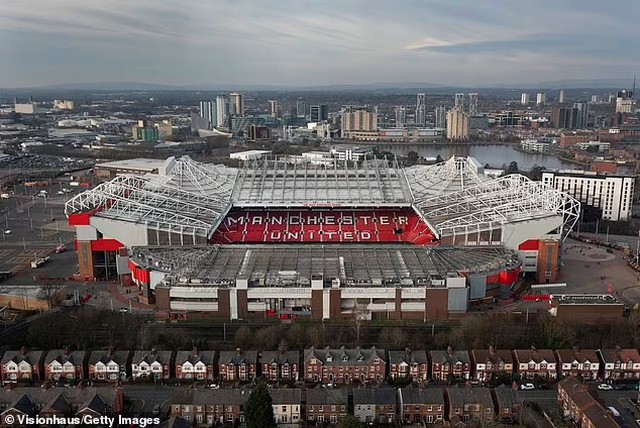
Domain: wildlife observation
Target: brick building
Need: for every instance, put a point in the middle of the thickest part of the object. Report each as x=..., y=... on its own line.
x=343, y=366
x=280, y=365
x=450, y=363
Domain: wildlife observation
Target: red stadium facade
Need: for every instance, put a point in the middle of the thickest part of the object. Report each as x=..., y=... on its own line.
x=323, y=225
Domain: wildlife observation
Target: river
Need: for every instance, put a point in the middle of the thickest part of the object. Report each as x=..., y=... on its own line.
x=493, y=154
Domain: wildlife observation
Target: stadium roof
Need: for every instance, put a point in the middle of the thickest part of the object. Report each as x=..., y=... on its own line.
x=358, y=264
x=453, y=197
x=276, y=182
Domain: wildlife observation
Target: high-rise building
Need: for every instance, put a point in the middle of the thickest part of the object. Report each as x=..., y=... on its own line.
x=401, y=117
x=561, y=96
x=301, y=107
x=625, y=102
x=273, y=108
x=318, y=113
x=564, y=117
x=524, y=99
x=356, y=119
x=459, y=101
x=421, y=110
x=541, y=98
x=582, y=114
x=473, y=104
x=457, y=124
x=594, y=98
x=441, y=117
x=222, y=110
x=236, y=104
x=208, y=111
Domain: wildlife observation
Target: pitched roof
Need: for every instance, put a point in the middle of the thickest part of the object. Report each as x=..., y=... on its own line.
x=579, y=355
x=206, y=357
x=211, y=396
x=377, y=396
x=327, y=396
x=338, y=357
x=237, y=358
x=286, y=395
x=495, y=356
x=535, y=355
x=449, y=356
x=51, y=396
x=412, y=395
x=94, y=403
x=460, y=396
x=621, y=355
x=163, y=357
x=291, y=357
x=407, y=356
x=119, y=357
x=23, y=404
x=62, y=356
x=58, y=404
x=588, y=405
x=507, y=396
x=31, y=357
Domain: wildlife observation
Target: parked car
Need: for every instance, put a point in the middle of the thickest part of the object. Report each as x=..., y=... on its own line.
x=527, y=386
x=605, y=387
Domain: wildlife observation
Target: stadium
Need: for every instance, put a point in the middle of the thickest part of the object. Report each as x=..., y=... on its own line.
x=288, y=237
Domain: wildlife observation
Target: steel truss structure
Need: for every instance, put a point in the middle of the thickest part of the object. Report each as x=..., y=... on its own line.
x=273, y=182
x=188, y=199
x=492, y=204
x=453, y=198
x=295, y=265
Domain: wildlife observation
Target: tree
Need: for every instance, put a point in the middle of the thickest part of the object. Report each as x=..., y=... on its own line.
x=438, y=159
x=412, y=158
x=258, y=410
x=349, y=421
x=513, y=168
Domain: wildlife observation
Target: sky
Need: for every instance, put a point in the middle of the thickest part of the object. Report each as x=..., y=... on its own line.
x=316, y=42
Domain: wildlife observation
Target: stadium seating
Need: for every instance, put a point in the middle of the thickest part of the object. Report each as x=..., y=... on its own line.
x=325, y=225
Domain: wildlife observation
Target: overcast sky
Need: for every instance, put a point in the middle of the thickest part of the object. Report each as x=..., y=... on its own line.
x=309, y=42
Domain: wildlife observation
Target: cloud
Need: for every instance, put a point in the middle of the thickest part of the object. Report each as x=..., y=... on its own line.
x=315, y=41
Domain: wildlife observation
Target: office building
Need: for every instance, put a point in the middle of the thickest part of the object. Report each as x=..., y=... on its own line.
x=64, y=104
x=421, y=110
x=541, y=99
x=165, y=129
x=356, y=119
x=524, y=99
x=222, y=110
x=273, y=108
x=208, y=111
x=561, y=96
x=401, y=117
x=459, y=101
x=610, y=194
x=457, y=125
x=564, y=117
x=143, y=132
x=473, y=104
x=301, y=107
x=236, y=104
x=318, y=113
x=625, y=102
x=440, y=117
x=582, y=115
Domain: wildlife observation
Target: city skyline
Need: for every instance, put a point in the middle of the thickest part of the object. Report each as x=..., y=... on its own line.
x=315, y=43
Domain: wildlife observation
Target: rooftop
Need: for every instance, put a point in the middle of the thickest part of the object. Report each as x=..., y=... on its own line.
x=296, y=265
x=139, y=164
x=585, y=299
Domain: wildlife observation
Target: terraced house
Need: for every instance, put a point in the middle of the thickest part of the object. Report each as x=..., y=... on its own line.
x=22, y=365
x=194, y=365
x=620, y=363
x=490, y=363
x=450, y=364
x=582, y=363
x=408, y=364
x=151, y=365
x=344, y=366
x=238, y=365
x=62, y=364
x=532, y=363
x=280, y=365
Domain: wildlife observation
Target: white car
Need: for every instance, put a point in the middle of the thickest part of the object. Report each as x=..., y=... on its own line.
x=527, y=386
x=7, y=232
x=605, y=387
